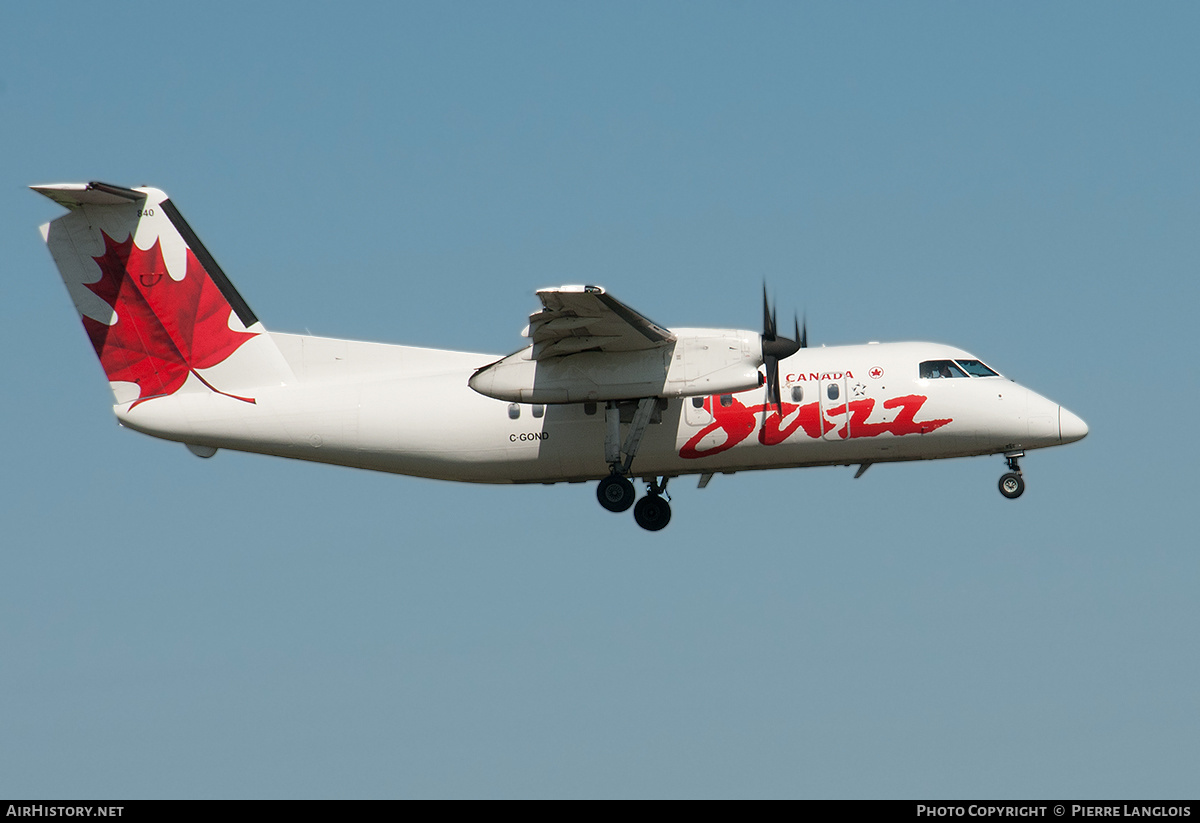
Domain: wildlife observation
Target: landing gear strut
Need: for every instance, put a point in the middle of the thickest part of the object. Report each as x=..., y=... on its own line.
x=612, y=433
x=1012, y=484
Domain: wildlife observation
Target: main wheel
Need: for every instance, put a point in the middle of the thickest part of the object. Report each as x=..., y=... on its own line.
x=1012, y=485
x=652, y=512
x=616, y=493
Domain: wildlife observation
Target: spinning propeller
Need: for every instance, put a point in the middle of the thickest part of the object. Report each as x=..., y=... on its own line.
x=776, y=348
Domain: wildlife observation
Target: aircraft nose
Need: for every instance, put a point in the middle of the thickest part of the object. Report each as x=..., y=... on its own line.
x=1070, y=426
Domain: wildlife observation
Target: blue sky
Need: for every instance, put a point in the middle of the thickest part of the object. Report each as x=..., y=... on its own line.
x=1019, y=180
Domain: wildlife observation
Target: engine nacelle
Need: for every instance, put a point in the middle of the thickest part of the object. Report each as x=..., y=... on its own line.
x=699, y=362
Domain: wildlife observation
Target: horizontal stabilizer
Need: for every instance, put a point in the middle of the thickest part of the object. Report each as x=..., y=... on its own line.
x=74, y=195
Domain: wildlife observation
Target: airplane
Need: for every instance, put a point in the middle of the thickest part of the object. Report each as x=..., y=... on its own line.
x=599, y=394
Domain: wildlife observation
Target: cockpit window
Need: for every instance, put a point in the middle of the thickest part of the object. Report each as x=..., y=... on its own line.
x=941, y=368
x=976, y=369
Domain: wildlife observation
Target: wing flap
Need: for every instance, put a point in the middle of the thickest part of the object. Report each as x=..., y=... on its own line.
x=586, y=318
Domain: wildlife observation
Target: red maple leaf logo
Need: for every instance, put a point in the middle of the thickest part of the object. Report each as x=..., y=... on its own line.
x=165, y=328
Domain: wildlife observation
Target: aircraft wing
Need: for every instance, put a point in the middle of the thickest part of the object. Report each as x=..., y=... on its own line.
x=586, y=318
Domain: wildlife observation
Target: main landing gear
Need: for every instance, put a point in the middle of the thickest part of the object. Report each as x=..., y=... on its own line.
x=1012, y=484
x=652, y=512
x=616, y=492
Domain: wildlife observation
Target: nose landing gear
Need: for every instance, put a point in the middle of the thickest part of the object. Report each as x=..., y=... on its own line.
x=1012, y=484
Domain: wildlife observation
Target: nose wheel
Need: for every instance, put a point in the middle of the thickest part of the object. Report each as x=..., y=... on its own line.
x=1012, y=484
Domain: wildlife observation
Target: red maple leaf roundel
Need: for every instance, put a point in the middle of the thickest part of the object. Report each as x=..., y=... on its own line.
x=165, y=328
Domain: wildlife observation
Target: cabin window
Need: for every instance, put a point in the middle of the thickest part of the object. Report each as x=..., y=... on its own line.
x=514, y=411
x=976, y=368
x=539, y=410
x=833, y=391
x=726, y=400
x=797, y=394
x=589, y=408
x=931, y=369
x=697, y=402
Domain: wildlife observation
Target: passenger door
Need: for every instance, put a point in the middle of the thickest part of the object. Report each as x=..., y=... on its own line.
x=835, y=408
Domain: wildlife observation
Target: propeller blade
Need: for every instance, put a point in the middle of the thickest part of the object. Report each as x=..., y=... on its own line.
x=768, y=317
x=772, y=382
x=776, y=348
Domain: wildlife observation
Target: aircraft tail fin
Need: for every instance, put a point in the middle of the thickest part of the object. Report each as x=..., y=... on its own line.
x=161, y=314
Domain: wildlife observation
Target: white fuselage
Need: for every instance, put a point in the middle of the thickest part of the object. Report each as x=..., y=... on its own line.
x=410, y=411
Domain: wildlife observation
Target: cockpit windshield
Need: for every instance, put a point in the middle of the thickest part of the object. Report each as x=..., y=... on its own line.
x=976, y=368
x=931, y=369
x=941, y=368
